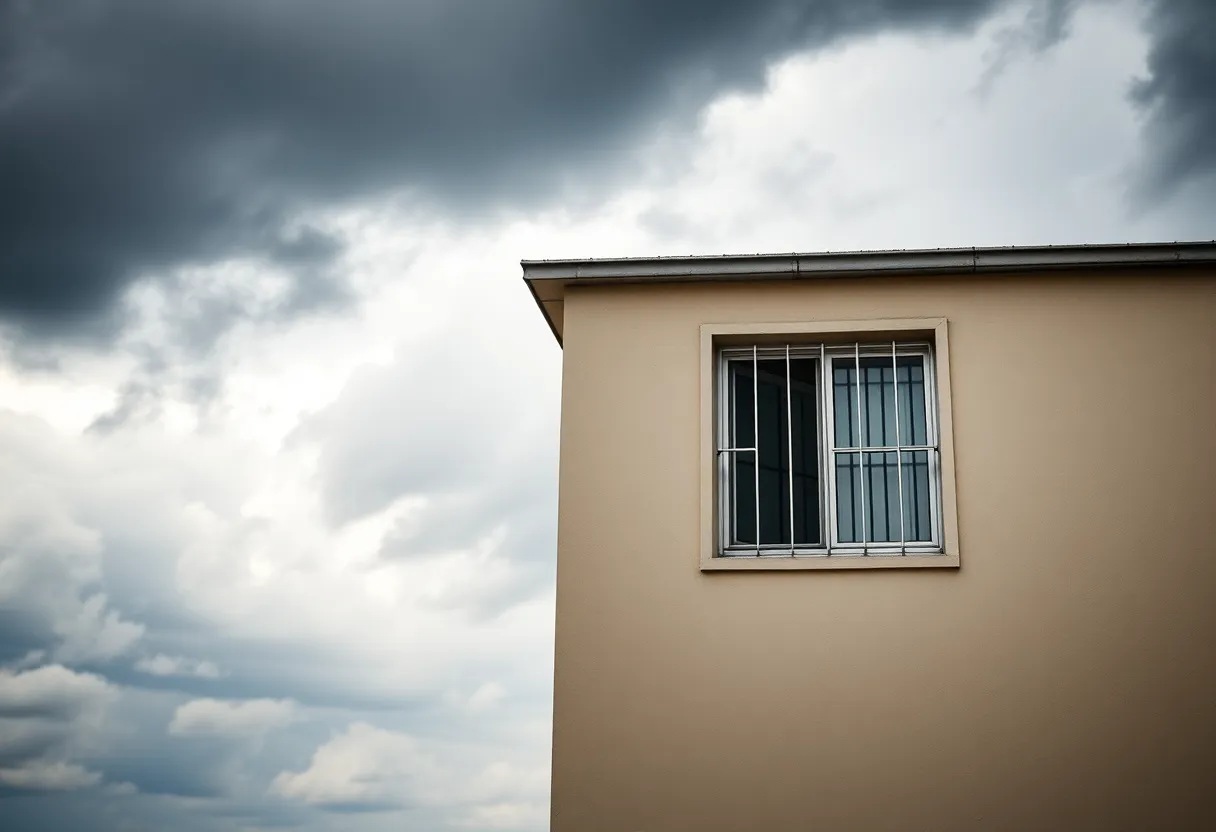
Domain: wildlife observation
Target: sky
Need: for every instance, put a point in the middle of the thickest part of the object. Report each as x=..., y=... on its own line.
x=279, y=418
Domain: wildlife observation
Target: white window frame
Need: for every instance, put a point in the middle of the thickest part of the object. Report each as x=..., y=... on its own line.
x=822, y=342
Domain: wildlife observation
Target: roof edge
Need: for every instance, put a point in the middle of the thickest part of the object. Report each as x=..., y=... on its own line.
x=557, y=274
x=911, y=260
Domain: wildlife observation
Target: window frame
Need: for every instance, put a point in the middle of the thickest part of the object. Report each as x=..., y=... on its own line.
x=727, y=459
x=824, y=341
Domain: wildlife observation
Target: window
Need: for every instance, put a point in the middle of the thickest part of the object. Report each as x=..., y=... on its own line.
x=828, y=450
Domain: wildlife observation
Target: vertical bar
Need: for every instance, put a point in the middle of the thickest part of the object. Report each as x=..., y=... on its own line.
x=789, y=438
x=933, y=459
x=733, y=470
x=899, y=456
x=827, y=458
x=756, y=438
x=861, y=455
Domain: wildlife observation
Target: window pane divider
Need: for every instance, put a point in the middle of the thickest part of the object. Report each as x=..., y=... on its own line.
x=875, y=449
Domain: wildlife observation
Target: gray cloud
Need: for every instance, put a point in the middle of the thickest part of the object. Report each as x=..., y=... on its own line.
x=418, y=428
x=137, y=135
x=1179, y=94
x=1044, y=26
x=51, y=692
x=452, y=421
x=50, y=571
x=47, y=718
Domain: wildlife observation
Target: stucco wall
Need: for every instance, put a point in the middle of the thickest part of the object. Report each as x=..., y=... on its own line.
x=1063, y=678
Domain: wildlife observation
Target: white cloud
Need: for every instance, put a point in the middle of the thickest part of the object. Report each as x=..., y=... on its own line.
x=49, y=716
x=52, y=691
x=365, y=767
x=370, y=768
x=95, y=633
x=888, y=142
x=487, y=697
x=508, y=816
x=39, y=775
x=162, y=665
x=228, y=718
x=50, y=562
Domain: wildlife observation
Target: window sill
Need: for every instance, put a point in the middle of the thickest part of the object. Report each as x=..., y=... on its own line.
x=785, y=562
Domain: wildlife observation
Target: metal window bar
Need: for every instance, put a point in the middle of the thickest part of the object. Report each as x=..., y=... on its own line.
x=862, y=449
x=861, y=458
x=727, y=413
x=827, y=486
x=899, y=454
x=877, y=449
x=756, y=438
x=826, y=458
x=789, y=438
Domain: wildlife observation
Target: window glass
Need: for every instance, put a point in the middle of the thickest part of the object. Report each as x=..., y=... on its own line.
x=785, y=410
x=868, y=486
x=877, y=402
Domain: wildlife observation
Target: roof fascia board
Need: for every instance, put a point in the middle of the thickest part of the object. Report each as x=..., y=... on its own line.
x=560, y=273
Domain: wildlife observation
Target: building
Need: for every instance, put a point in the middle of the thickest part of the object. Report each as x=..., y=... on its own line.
x=981, y=591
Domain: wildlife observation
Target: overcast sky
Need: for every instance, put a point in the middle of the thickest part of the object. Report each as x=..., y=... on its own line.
x=278, y=418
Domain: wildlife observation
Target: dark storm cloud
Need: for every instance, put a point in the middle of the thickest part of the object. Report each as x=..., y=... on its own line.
x=1180, y=93
x=140, y=134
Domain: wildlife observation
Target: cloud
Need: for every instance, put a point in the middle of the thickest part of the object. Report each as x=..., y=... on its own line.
x=136, y=136
x=95, y=633
x=481, y=489
x=201, y=717
x=486, y=697
x=49, y=776
x=50, y=571
x=1044, y=25
x=363, y=769
x=508, y=816
x=162, y=665
x=51, y=692
x=804, y=166
x=370, y=769
x=48, y=716
x=423, y=427
x=1177, y=95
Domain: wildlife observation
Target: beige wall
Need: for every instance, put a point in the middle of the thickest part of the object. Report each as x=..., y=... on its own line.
x=1063, y=678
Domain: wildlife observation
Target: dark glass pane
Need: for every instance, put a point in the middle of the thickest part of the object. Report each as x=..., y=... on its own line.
x=882, y=498
x=848, y=497
x=774, y=494
x=741, y=412
x=844, y=394
x=772, y=410
x=917, y=514
x=913, y=426
x=875, y=495
x=743, y=495
x=804, y=397
x=877, y=425
x=872, y=494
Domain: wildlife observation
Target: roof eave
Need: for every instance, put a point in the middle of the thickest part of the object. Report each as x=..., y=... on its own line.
x=560, y=273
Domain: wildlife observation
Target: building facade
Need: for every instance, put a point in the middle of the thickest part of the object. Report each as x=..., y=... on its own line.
x=892, y=540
